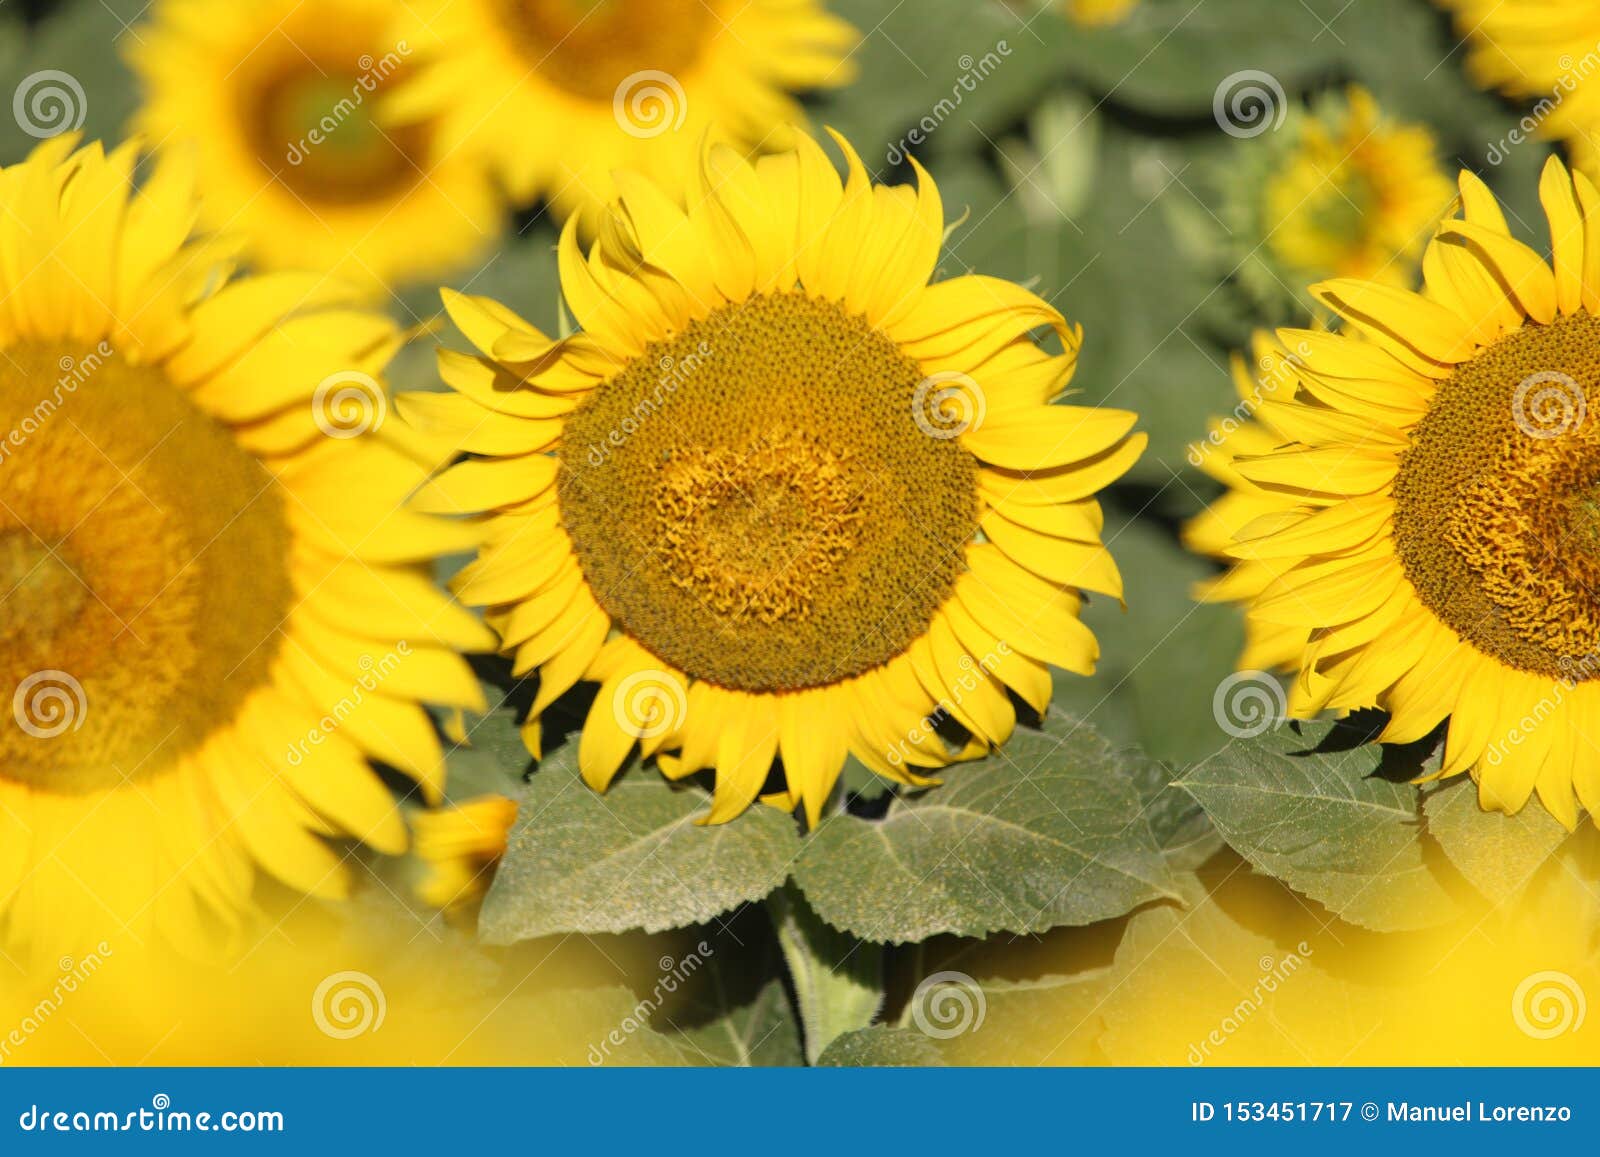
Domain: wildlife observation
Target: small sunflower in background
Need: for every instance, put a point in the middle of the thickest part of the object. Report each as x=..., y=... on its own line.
x=214, y=602
x=781, y=497
x=282, y=104
x=1545, y=52
x=1340, y=190
x=1098, y=13
x=1416, y=519
x=557, y=94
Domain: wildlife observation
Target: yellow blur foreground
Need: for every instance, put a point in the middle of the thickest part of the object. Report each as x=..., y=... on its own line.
x=1249, y=974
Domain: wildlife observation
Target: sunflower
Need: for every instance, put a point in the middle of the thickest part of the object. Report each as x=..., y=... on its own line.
x=212, y=607
x=1340, y=191
x=282, y=105
x=460, y=846
x=1542, y=51
x=780, y=496
x=559, y=93
x=1414, y=514
x=1098, y=13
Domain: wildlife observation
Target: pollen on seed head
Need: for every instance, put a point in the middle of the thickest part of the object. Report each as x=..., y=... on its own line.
x=756, y=503
x=1497, y=502
x=144, y=567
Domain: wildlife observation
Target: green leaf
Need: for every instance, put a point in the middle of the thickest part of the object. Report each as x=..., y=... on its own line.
x=1161, y=656
x=494, y=759
x=741, y=1031
x=882, y=1047
x=1048, y=831
x=634, y=858
x=838, y=980
x=1047, y=1020
x=97, y=96
x=1497, y=853
x=1325, y=824
x=1098, y=269
x=1170, y=56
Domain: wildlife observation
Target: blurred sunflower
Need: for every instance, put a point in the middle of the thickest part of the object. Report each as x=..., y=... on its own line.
x=1414, y=521
x=1341, y=191
x=282, y=103
x=213, y=608
x=460, y=846
x=780, y=496
x=1544, y=51
x=559, y=93
x=1098, y=13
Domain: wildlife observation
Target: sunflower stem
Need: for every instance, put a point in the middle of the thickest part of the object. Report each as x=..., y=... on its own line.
x=838, y=980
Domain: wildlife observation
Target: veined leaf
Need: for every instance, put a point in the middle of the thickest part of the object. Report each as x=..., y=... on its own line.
x=1050, y=830
x=1325, y=824
x=633, y=858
